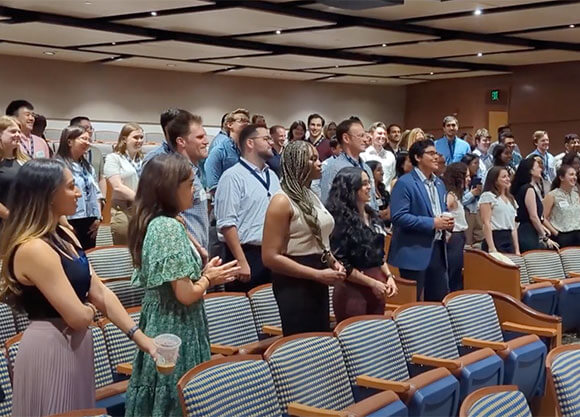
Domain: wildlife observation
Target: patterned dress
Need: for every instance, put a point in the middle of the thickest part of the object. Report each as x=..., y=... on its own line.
x=167, y=256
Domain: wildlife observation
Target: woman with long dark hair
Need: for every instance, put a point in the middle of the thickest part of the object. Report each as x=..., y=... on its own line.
x=402, y=166
x=295, y=246
x=47, y=274
x=382, y=195
x=562, y=206
x=74, y=143
x=169, y=268
x=358, y=241
x=456, y=179
x=297, y=131
x=502, y=155
x=498, y=213
x=532, y=234
x=474, y=232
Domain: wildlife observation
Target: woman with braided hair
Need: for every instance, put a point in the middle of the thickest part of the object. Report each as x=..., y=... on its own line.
x=295, y=245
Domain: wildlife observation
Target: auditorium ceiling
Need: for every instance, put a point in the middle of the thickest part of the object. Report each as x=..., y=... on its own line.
x=401, y=43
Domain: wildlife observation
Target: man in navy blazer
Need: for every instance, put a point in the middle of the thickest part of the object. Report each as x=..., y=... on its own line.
x=418, y=243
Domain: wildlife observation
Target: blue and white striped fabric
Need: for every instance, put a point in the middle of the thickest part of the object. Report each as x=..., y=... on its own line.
x=501, y=404
x=111, y=262
x=6, y=404
x=21, y=320
x=545, y=264
x=7, y=325
x=120, y=348
x=330, y=295
x=128, y=296
x=104, y=236
x=311, y=371
x=265, y=308
x=566, y=374
x=519, y=261
x=474, y=315
x=570, y=259
x=426, y=330
x=12, y=352
x=373, y=348
x=103, y=374
x=233, y=389
x=230, y=320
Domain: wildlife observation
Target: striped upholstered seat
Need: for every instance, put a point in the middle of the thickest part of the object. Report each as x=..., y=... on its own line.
x=371, y=348
x=564, y=364
x=104, y=236
x=230, y=319
x=264, y=307
x=7, y=325
x=12, y=346
x=103, y=373
x=544, y=264
x=128, y=295
x=120, y=348
x=473, y=315
x=6, y=403
x=21, y=320
x=236, y=386
x=425, y=330
x=501, y=401
x=570, y=260
x=111, y=262
x=519, y=261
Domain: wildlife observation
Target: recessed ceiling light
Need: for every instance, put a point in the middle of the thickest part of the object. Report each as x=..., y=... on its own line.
x=373, y=81
x=171, y=65
x=383, y=45
x=113, y=43
x=88, y=3
x=49, y=53
x=431, y=73
x=153, y=13
x=278, y=32
x=477, y=12
x=336, y=66
x=479, y=54
x=572, y=26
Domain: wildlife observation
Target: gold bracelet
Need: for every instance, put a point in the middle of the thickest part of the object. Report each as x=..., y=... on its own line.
x=92, y=307
x=207, y=279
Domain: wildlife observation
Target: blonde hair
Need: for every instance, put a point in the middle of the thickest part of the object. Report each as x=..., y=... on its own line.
x=126, y=130
x=375, y=126
x=5, y=123
x=412, y=138
x=539, y=134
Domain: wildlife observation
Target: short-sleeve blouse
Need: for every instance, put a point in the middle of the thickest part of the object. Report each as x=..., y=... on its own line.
x=503, y=213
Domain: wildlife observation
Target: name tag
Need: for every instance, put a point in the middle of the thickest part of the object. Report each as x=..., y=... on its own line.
x=39, y=154
x=202, y=195
x=563, y=204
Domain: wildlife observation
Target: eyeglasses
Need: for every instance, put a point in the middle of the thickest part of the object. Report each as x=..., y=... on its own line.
x=430, y=153
x=242, y=120
x=266, y=138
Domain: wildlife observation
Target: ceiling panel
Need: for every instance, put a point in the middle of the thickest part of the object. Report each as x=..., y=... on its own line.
x=511, y=21
x=388, y=70
x=558, y=35
x=525, y=58
x=422, y=8
x=38, y=52
x=462, y=74
x=287, y=61
x=438, y=49
x=261, y=73
x=339, y=38
x=165, y=65
x=173, y=50
x=98, y=8
x=225, y=22
x=349, y=79
x=48, y=34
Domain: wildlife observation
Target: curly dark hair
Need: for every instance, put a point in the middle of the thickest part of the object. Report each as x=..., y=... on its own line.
x=342, y=204
x=454, y=178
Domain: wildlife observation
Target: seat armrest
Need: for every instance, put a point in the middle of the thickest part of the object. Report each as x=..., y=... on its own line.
x=301, y=410
x=522, y=328
x=111, y=390
x=271, y=330
x=125, y=368
x=450, y=364
x=223, y=349
x=479, y=343
x=382, y=384
x=554, y=281
x=573, y=274
x=573, y=279
x=257, y=348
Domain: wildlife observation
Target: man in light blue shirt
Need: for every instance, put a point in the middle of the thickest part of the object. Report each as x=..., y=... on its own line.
x=542, y=143
x=241, y=199
x=225, y=153
x=450, y=145
x=350, y=135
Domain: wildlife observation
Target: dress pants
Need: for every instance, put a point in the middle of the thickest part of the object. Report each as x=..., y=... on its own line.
x=455, y=247
x=433, y=281
x=259, y=274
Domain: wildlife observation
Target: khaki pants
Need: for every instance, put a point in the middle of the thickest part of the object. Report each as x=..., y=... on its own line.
x=119, y=225
x=474, y=232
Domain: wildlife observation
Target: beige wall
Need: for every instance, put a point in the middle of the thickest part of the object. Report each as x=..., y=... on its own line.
x=60, y=90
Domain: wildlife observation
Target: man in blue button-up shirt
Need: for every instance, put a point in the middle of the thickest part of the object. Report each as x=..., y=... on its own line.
x=450, y=146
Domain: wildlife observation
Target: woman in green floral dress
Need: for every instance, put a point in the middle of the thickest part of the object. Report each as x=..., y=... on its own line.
x=170, y=269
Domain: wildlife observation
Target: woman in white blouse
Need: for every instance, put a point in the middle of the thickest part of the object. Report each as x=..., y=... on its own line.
x=122, y=170
x=562, y=208
x=498, y=213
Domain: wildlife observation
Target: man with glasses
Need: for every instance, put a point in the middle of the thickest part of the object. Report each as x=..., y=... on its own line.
x=351, y=136
x=418, y=211
x=226, y=152
x=31, y=145
x=94, y=154
x=571, y=145
x=241, y=200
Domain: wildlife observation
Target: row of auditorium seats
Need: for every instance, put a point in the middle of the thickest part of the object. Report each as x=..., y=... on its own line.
x=546, y=280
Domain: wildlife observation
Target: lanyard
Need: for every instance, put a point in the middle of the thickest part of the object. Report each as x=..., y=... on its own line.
x=354, y=163
x=86, y=176
x=137, y=163
x=266, y=183
x=29, y=150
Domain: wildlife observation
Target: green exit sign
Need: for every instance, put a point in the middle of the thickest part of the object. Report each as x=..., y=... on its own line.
x=494, y=95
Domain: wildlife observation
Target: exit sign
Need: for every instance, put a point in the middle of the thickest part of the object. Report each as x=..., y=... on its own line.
x=494, y=95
